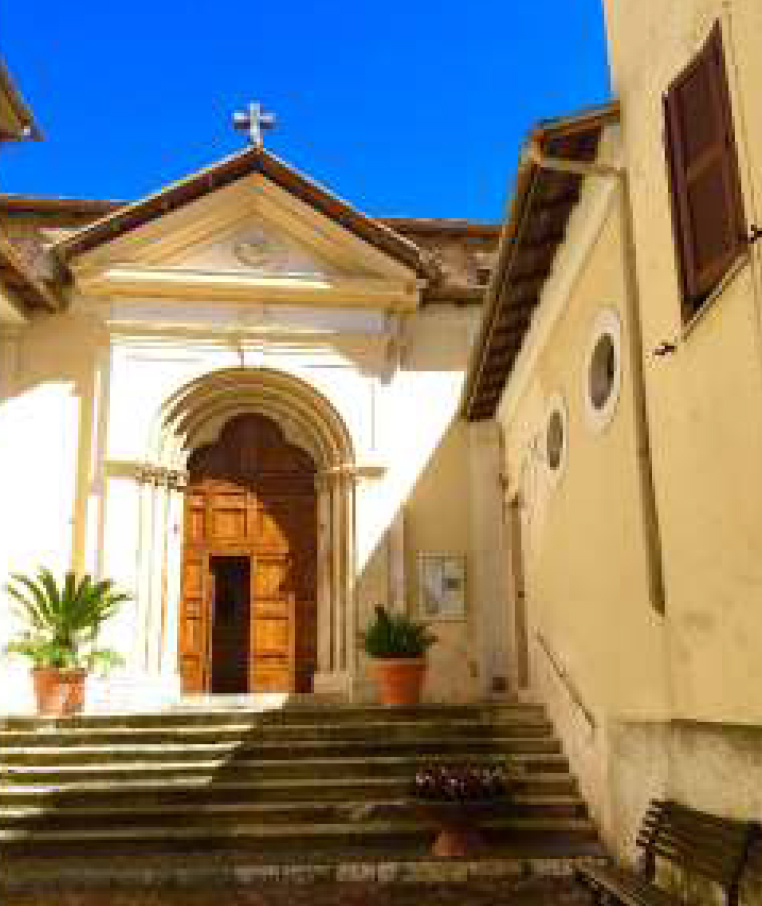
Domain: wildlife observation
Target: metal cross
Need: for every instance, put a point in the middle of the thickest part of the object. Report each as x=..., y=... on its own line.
x=254, y=121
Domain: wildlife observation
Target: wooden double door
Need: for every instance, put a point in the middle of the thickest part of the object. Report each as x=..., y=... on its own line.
x=248, y=613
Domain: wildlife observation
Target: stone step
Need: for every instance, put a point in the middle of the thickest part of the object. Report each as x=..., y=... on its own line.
x=247, y=789
x=217, y=769
x=140, y=793
x=457, y=748
x=357, y=814
x=271, y=836
x=199, y=733
x=234, y=870
x=300, y=714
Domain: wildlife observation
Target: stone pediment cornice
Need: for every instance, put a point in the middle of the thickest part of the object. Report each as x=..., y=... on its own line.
x=181, y=284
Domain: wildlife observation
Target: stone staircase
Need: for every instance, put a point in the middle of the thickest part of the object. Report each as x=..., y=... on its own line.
x=302, y=791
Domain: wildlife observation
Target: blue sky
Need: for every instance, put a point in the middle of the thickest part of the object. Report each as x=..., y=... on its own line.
x=406, y=107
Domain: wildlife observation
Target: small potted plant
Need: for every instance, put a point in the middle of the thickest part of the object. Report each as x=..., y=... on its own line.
x=456, y=798
x=63, y=625
x=397, y=646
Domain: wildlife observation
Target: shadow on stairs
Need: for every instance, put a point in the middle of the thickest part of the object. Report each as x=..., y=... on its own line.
x=304, y=793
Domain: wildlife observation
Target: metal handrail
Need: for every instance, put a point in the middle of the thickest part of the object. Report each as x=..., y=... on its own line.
x=569, y=684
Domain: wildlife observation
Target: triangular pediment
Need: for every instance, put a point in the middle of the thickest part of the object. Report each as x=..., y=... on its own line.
x=258, y=247
x=251, y=239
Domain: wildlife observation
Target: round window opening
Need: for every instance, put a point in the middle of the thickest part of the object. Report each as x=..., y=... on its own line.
x=554, y=440
x=603, y=369
x=602, y=373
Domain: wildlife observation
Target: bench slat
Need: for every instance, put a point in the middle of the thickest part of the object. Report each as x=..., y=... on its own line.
x=680, y=836
x=709, y=845
x=627, y=886
x=719, y=872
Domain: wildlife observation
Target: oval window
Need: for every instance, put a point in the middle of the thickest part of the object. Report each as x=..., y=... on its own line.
x=603, y=369
x=555, y=440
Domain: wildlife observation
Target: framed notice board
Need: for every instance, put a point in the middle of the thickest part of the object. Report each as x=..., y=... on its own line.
x=442, y=586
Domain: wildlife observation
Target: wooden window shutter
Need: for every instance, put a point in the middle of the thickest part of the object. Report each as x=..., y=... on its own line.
x=707, y=205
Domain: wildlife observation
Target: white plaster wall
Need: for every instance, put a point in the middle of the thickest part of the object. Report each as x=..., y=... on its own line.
x=85, y=398
x=397, y=392
x=42, y=416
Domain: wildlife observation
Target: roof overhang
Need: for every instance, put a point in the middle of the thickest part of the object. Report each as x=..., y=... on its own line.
x=66, y=207
x=427, y=233
x=541, y=206
x=16, y=119
x=238, y=166
x=21, y=287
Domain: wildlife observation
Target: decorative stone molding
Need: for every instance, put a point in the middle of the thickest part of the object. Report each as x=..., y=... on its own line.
x=147, y=473
x=187, y=419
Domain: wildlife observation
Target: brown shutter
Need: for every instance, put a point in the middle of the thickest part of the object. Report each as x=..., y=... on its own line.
x=707, y=206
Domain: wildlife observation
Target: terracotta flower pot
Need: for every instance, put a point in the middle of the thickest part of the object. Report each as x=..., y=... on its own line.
x=59, y=692
x=399, y=680
x=458, y=824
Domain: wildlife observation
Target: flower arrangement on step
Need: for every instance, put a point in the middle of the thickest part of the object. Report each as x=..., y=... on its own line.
x=460, y=783
x=456, y=798
x=397, y=646
x=64, y=621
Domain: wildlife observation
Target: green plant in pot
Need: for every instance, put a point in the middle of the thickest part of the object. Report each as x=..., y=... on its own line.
x=397, y=646
x=63, y=623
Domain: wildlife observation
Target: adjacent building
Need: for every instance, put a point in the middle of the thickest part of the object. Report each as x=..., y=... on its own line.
x=621, y=358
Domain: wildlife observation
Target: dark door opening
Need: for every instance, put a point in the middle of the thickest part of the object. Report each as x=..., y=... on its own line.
x=250, y=516
x=231, y=616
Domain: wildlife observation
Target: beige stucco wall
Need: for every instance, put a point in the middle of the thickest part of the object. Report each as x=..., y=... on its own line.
x=705, y=399
x=437, y=520
x=675, y=698
x=583, y=533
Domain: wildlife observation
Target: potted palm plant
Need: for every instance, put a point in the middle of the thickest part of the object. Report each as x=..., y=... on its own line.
x=397, y=646
x=63, y=622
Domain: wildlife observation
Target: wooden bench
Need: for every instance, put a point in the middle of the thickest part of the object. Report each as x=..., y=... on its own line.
x=715, y=848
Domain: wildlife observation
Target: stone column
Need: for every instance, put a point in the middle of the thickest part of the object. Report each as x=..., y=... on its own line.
x=157, y=578
x=146, y=491
x=337, y=629
x=351, y=627
x=170, y=585
x=157, y=574
x=337, y=551
x=324, y=572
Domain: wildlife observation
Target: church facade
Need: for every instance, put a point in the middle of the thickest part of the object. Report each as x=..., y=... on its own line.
x=245, y=413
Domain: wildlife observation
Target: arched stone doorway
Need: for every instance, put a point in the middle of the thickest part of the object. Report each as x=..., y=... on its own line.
x=248, y=618
x=195, y=417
